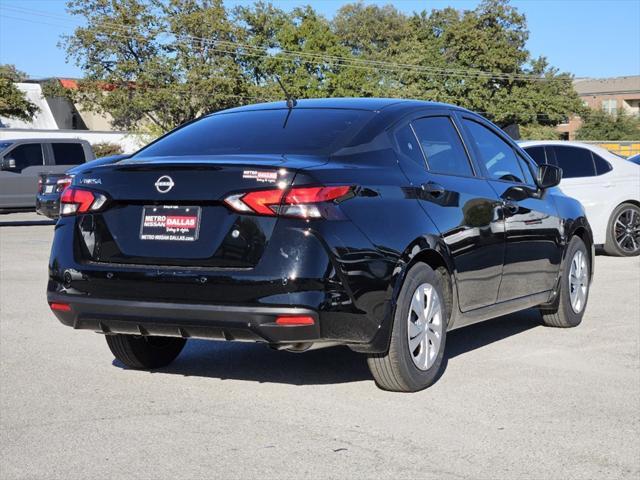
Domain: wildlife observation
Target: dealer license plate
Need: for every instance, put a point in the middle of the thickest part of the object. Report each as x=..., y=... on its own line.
x=170, y=223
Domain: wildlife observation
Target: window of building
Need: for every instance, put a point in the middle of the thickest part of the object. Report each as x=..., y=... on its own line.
x=610, y=106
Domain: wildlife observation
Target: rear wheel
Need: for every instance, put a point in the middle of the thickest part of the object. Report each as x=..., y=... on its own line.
x=571, y=300
x=623, y=231
x=416, y=349
x=139, y=352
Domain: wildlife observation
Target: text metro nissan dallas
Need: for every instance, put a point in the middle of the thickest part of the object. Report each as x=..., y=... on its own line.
x=380, y=224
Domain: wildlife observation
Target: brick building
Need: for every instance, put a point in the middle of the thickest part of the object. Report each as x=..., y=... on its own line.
x=611, y=95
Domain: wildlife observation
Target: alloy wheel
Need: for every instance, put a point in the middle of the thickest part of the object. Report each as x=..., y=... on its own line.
x=425, y=324
x=578, y=281
x=626, y=230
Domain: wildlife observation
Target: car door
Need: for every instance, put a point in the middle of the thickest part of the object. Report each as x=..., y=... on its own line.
x=18, y=184
x=591, y=183
x=463, y=207
x=533, y=228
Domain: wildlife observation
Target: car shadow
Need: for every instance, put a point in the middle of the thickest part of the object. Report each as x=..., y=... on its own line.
x=259, y=363
x=26, y=223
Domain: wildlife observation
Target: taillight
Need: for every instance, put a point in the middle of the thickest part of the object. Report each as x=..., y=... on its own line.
x=301, y=202
x=63, y=183
x=40, y=185
x=77, y=200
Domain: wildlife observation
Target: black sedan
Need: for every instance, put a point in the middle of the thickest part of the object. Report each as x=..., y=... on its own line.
x=379, y=224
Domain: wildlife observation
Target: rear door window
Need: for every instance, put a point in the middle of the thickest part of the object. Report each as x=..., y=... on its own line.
x=497, y=156
x=27, y=155
x=68, y=153
x=602, y=166
x=408, y=145
x=575, y=162
x=442, y=146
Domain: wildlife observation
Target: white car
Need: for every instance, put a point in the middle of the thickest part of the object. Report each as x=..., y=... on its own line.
x=607, y=186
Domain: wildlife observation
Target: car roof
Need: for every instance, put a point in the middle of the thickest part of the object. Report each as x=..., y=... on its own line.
x=603, y=152
x=371, y=104
x=43, y=140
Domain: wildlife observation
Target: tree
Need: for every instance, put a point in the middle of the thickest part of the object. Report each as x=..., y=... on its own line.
x=599, y=125
x=302, y=50
x=159, y=63
x=535, y=131
x=455, y=47
x=155, y=63
x=13, y=102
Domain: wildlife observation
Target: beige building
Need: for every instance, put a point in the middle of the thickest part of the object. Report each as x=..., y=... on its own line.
x=611, y=95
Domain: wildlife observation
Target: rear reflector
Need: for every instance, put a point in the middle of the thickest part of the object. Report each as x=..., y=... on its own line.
x=60, y=307
x=295, y=320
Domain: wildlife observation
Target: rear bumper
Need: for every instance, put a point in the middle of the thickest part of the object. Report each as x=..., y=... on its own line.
x=49, y=206
x=185, y=320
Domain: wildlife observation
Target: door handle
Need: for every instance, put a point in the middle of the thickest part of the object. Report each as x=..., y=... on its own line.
x=608, y=185
x=432, y=188
x=510, y=206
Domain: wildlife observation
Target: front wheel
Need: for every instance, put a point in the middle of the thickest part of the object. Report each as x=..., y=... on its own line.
x=623, y=231
x=416, y=349
x=571, y=300
x=139, y=352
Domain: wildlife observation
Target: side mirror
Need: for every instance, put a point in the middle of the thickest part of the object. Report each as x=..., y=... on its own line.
x=548, y=176
x=8, y=163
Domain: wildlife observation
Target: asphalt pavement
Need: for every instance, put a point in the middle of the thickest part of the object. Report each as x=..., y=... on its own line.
x=517, y=399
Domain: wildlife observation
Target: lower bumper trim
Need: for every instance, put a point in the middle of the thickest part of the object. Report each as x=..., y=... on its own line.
x=222, y=322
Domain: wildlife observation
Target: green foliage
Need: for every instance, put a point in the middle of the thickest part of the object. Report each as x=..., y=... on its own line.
x=535, y=131
x=159, y=63
x=13, y=102
x=150, y=64
x=106, y=149
x=599, y=125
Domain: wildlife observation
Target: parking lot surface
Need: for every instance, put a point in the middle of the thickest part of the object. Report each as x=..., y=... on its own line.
x=516, y=399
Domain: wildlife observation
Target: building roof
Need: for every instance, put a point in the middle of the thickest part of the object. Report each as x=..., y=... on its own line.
x=607, y=86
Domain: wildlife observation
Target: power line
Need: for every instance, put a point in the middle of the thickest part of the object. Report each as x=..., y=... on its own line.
x=233, y=48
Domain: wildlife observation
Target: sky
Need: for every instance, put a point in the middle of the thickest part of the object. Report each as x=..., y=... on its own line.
x=588, y=38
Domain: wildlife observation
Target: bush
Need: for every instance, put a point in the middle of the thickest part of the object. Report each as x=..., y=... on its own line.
x=535, y=131
x=599, y=125
x=106, y=149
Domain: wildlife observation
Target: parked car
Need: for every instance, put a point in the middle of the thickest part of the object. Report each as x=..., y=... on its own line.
x=374, y=223
x=635, y=159
x=607, y=185
x=51, y=185
x=22, y=160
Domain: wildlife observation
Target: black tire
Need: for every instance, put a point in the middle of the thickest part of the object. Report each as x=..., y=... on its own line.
x=561, y=314
x=395, y=370
x=145, y=353
x=611, y=246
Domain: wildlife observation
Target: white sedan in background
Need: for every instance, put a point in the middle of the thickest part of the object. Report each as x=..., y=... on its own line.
x=607, y=186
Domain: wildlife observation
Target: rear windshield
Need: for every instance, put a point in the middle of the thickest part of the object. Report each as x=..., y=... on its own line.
x=296, y=131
